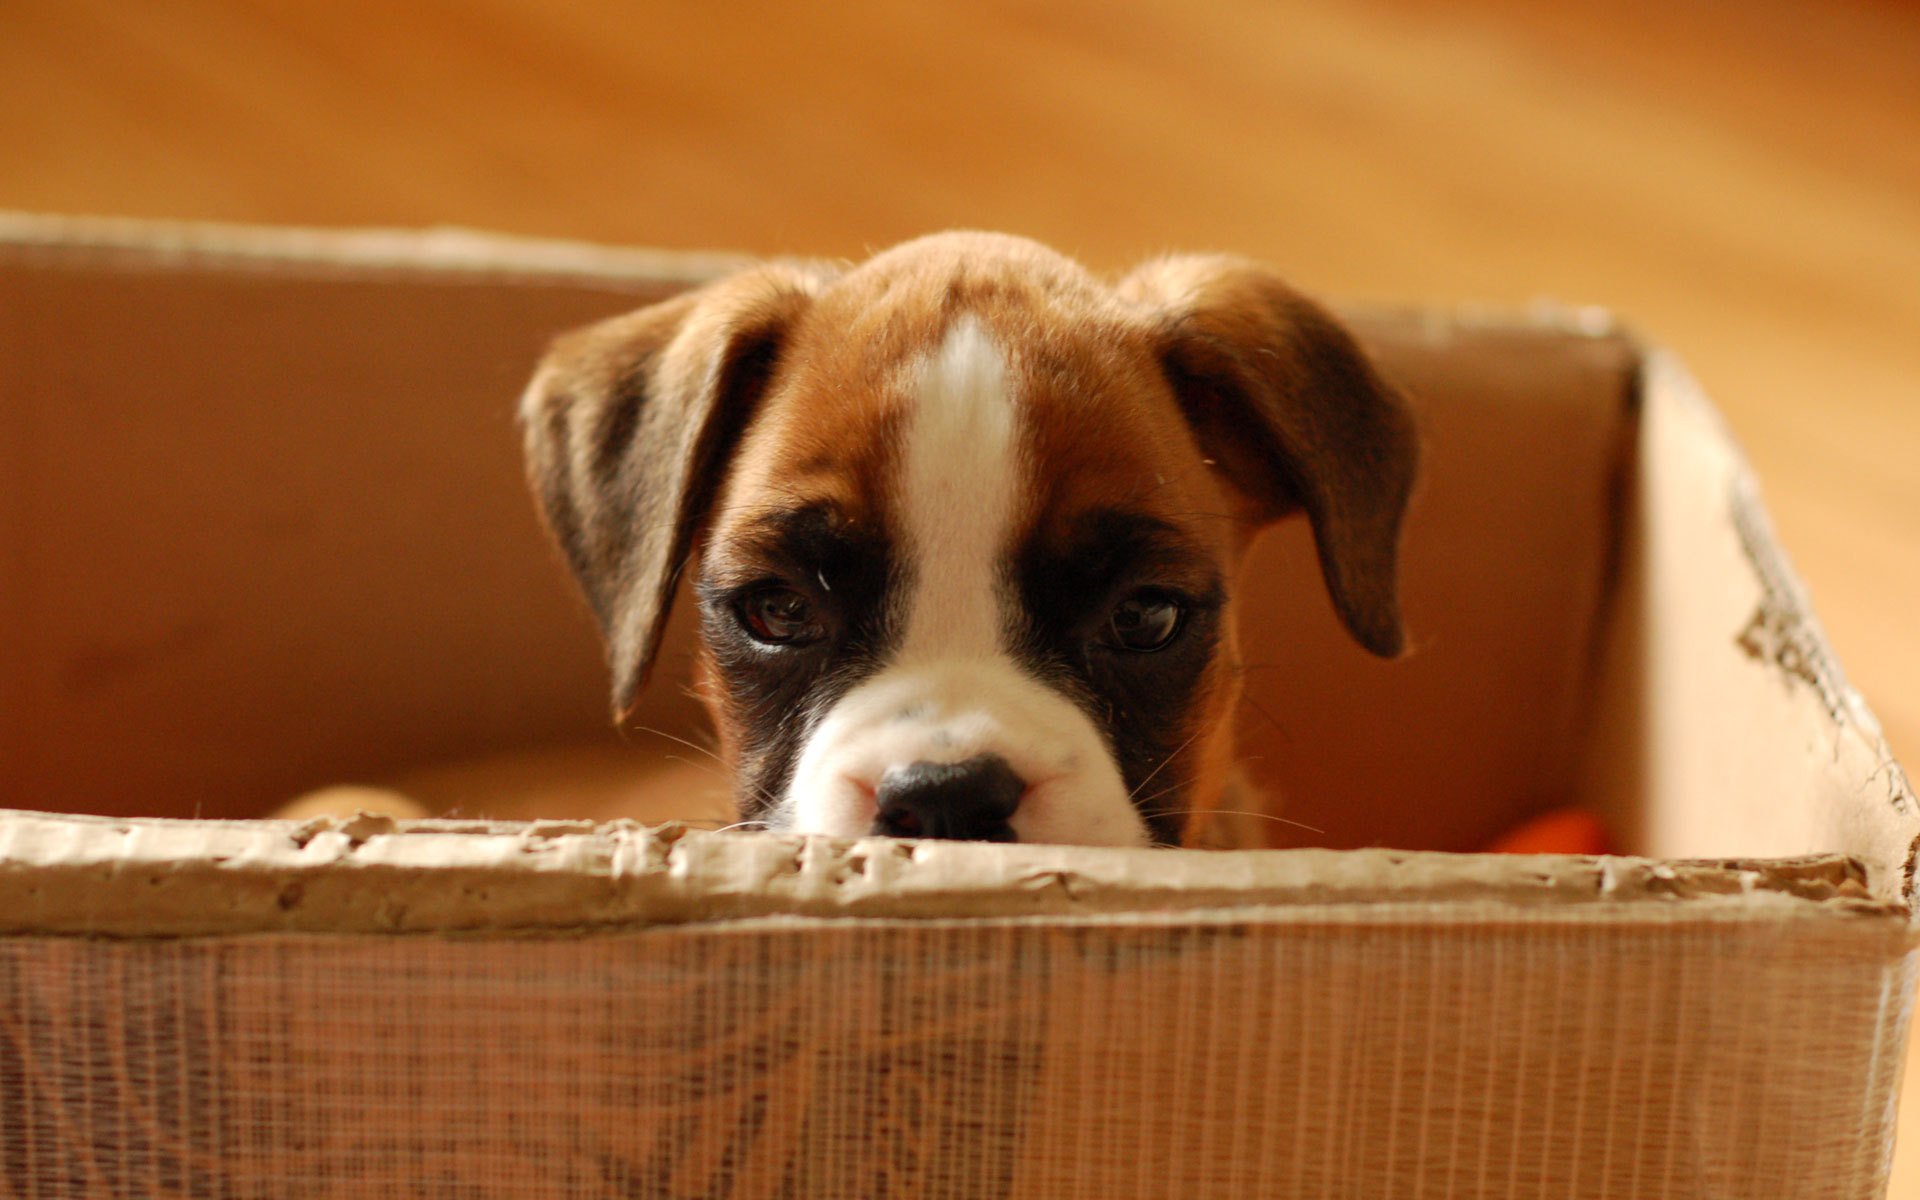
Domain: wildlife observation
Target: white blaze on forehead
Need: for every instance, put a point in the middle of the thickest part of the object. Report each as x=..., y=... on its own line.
x=958, y=483
x=951, y=690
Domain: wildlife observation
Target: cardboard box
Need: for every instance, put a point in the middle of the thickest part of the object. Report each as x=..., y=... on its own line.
x=263, y=529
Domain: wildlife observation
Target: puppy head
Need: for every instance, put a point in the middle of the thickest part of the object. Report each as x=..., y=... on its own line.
x=965, y=521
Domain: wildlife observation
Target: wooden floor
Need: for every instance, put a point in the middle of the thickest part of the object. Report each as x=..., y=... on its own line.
x=1746, y=190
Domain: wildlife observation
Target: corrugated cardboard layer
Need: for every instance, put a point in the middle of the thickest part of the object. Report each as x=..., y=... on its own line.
x=154, y=877
x=978, y=1060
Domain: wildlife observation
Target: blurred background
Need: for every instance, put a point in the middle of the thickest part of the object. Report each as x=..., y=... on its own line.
x=1745, y=190
x=1742, y=183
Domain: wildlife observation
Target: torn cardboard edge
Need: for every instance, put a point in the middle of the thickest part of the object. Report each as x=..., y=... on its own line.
x=447, y=253
x=1783, y=634
x=162, y=877
x=452, y=253
x=1782, y=631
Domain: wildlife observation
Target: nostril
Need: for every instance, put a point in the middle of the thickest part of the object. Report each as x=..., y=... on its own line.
x=971, y=800
x=898, y=820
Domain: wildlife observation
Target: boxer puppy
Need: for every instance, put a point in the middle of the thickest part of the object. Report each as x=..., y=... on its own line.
x=964, y=521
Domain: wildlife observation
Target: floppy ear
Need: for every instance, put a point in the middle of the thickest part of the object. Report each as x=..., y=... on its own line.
x=629, y=425
x=1287, y=404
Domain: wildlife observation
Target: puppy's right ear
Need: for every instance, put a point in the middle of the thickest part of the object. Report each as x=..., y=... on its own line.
x=1291, y=409
x=629, y=425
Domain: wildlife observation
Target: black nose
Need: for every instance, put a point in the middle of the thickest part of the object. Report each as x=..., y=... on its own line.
x=970, y=801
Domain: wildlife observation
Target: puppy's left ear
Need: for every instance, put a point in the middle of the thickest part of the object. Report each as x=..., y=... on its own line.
x=1283, y=399
x=629, y=425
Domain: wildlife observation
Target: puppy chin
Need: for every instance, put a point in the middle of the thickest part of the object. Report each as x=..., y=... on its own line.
x=949, y=712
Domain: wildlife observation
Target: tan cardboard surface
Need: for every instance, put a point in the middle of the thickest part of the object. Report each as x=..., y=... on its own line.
x=1026, y=1059
x=1720, y=716
x=147, y=877
x=266, y=452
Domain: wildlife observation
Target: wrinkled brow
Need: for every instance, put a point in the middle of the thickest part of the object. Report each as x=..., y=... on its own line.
x=1102, y=543
x=803, y=538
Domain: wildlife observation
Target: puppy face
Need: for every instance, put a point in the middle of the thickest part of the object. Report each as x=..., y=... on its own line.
x=964, y=523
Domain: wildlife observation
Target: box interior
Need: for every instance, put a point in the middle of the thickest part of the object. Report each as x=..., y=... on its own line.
x=265, y=530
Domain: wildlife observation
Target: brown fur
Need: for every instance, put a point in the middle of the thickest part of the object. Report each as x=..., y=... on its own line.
x=1201, y=390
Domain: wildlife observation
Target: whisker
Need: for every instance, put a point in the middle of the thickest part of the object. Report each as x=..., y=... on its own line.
x=696, y=765
x=1165, y=791
x=714, y=825
x=759, y=792
x=693, y=746
x=1272, y=720
x=1241, y=812
x=1163, y=766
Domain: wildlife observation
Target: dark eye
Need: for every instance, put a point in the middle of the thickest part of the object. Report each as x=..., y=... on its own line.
x=780, y=617
x=1144, y=621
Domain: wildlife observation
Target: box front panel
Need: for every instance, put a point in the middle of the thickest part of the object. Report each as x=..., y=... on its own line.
x=1388, y=1056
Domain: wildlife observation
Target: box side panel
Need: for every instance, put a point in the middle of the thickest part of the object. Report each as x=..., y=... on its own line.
x=1725, y=727
x=1504, y=566
x=960, y=1060
x=264, y=533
